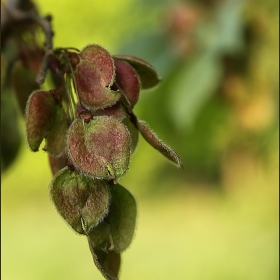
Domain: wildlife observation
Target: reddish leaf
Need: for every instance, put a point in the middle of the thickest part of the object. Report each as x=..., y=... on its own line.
x=146, y=72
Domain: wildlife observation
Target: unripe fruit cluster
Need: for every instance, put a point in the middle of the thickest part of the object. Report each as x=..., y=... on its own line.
x=90, y=150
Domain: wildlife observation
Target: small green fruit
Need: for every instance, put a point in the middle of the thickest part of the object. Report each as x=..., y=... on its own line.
x=82, y=201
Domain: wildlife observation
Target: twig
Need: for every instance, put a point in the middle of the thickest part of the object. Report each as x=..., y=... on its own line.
x=16, y=15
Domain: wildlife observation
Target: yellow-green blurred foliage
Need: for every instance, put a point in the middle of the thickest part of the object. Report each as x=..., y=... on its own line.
x=217, y=107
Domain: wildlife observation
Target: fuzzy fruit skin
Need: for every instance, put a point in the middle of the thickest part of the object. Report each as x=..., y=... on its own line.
x=99, y=148
x=94, y=73
x=78, y=198
x=101, y=59
x=116, y=231
x=155, y=142
x=23, y=80
x=40, y=112
x=45, y=118
x=128, y=80
x=146, y=72
x=92, y=87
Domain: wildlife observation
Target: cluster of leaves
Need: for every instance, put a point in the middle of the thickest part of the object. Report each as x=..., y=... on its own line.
x=89, y=128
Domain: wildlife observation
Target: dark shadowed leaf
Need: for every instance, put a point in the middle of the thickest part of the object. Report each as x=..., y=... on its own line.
x=77, y=197
x=146, y=72
x=108, y=262
x=58, y=162
x=128, y=81
x=10, y=133
x=121, y=217
x=56, y=138
x=23, y=81
x=99, y=148
x=99, y=235
x=116, y=231
x=153, y=140
x=134, y=133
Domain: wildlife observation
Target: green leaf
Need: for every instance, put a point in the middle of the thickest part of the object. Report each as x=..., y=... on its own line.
x=99, y=148
x=153, y=140
x=146, y=72
x=82, y=201
x=116, y=231
x=192, y=87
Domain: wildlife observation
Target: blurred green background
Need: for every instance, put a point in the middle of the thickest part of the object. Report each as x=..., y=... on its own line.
x=217, y=107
